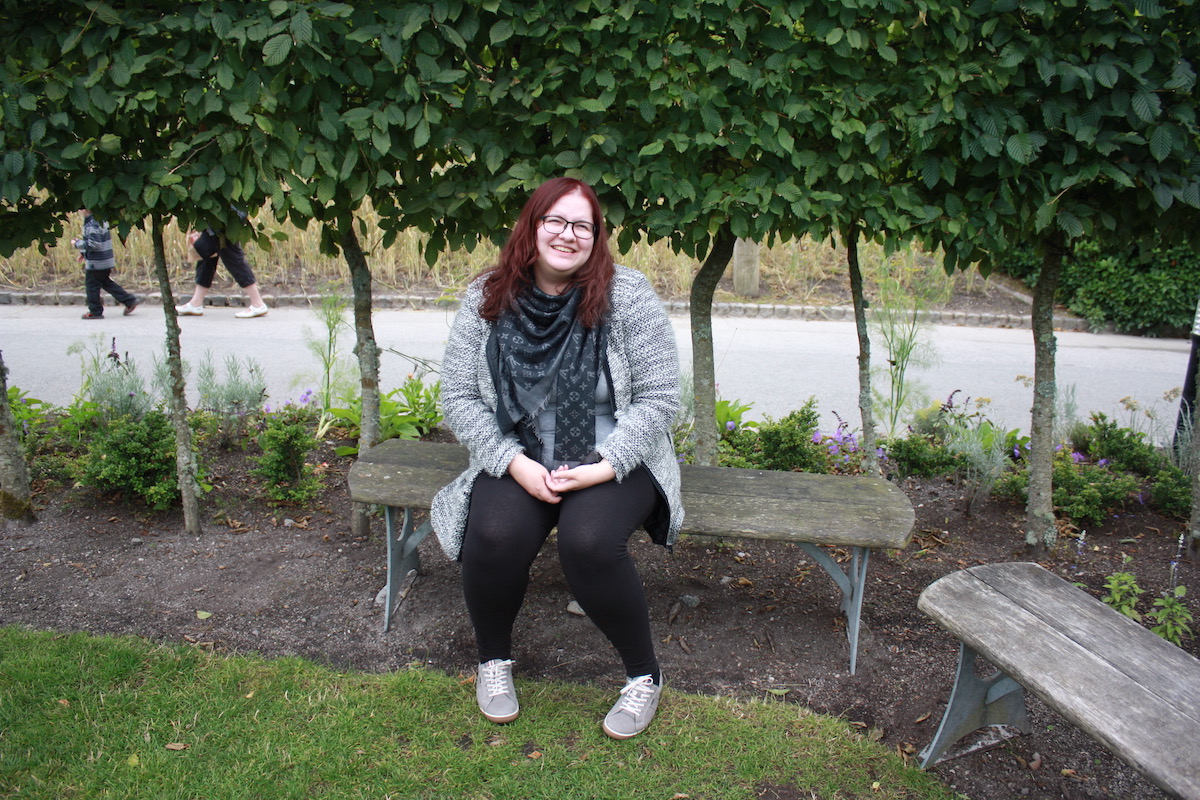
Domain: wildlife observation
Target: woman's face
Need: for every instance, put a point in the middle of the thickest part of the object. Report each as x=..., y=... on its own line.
x=560, y=255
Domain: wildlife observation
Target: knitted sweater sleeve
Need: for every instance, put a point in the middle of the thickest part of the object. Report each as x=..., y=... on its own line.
x=469, y=414
x=646, y=343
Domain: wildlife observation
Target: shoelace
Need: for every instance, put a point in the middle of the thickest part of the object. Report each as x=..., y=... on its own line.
x=636, y=694
x=496, y=678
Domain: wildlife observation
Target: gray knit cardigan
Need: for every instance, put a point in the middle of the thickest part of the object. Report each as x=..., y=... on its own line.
x=644, y=366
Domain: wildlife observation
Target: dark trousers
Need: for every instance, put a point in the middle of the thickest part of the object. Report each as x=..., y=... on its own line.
x=506, y=528
x=231, y=255
x=96, y=279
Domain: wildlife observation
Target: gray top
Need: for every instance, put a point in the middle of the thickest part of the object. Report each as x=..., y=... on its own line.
x=605, y=424
x=644, y=367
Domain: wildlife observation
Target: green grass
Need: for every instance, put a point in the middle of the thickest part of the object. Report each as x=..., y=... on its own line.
x=100, y=717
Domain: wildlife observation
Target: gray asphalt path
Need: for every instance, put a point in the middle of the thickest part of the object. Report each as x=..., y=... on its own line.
x=776, y=364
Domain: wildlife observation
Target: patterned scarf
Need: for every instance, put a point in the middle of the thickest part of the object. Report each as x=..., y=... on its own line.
x=540, y=350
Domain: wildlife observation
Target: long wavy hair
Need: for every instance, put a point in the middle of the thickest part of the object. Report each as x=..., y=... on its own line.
x=513, y=273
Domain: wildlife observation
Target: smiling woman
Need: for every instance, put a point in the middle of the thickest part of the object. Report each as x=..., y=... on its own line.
x=562, y=380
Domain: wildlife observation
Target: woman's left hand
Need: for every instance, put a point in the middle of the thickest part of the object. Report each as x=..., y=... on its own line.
x=581, y=477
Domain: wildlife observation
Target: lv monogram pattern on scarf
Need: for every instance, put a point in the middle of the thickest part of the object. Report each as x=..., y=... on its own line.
x=541, y=351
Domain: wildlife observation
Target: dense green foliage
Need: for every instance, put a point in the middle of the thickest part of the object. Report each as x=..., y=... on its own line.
x=135, y=457
x=283, y=467
x=1147, y=290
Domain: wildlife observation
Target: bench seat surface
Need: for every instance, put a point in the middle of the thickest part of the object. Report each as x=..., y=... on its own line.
x=1132, y=691
x=784, y=506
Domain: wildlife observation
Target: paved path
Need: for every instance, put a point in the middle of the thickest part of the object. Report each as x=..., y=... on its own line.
x=775, y=363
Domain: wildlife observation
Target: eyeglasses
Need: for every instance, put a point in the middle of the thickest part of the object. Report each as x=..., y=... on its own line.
x=556, y=225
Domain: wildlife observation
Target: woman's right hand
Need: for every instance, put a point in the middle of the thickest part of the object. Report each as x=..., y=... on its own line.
x=533, y=478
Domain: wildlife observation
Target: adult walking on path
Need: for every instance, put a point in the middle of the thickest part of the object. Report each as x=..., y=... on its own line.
x=211, y=246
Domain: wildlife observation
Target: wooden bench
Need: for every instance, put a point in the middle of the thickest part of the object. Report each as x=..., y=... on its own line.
x=1133, y=692
x=858, y=513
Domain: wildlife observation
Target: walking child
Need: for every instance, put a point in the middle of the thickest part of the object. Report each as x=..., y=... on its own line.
x=96, y=252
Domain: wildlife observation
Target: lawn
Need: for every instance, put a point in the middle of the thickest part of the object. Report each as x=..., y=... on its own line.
x=105, y=717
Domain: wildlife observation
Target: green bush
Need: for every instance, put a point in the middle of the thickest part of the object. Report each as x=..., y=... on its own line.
x=921, y=456
x=135, y=456
x=1084, y=493
x=1151, y=292
x=1171, y=492
x=286, y=442
x=1122, y=448
x=790, y=444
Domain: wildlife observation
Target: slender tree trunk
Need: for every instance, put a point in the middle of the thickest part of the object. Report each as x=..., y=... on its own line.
x=704, y=382
x=367, y=351
x=16, y=495
x=1040, y=530
x=1193, y=461
x=185, y=457
x=870, y=460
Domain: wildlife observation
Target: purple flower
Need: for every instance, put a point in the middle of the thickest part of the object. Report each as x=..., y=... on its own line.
x=1102, y=462
x=1077, y=457
x=816, y=437
x=731, y=426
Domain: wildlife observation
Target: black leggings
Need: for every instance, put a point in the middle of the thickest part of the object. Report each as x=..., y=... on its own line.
x=507, y=527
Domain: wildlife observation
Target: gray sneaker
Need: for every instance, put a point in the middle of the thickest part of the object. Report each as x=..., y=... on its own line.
x=634, y=709
x=495, y=691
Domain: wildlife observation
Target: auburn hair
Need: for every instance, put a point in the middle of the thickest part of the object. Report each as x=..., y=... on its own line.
x=513, y=272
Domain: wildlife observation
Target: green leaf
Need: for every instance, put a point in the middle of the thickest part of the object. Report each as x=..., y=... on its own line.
x=421, y=134
x=1161, y=142
x=1146, y=105
x=276, y=50
x=301, y=27
x=501, y=32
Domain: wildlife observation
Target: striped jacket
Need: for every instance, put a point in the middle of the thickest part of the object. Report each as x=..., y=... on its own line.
x=96, y=245
x=644, y=367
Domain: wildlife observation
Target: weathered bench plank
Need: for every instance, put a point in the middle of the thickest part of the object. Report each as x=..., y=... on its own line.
x=809, y=510
x=1135, y=693
x=819, y=509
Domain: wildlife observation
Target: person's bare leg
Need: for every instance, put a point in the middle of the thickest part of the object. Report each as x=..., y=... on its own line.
x=253, y=295
x=198, y=295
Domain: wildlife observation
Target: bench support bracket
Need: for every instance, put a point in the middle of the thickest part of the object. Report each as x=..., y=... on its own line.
x=402, y=556
x=852, y=581
x=976, y=703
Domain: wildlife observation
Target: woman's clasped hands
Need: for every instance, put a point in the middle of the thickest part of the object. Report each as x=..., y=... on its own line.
x=549, y=485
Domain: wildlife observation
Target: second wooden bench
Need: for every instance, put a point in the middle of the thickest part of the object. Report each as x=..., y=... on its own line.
x=1128, y=689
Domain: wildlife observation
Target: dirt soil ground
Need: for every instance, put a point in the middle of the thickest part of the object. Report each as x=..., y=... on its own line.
x=737, y=618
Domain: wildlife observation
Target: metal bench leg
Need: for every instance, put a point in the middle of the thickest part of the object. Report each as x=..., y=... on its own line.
x=976, y=703
x=402, y=556
x=852, y=581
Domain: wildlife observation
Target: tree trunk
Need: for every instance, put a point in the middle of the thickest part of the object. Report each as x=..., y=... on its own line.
x=367, y=351
x=1040, y=530
x=16, y=495
x=1193, y=461
x=704, y=383
x=870, y=459
x=185, y=457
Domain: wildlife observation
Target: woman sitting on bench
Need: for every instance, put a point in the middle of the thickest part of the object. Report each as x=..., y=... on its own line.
x=561, y=378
